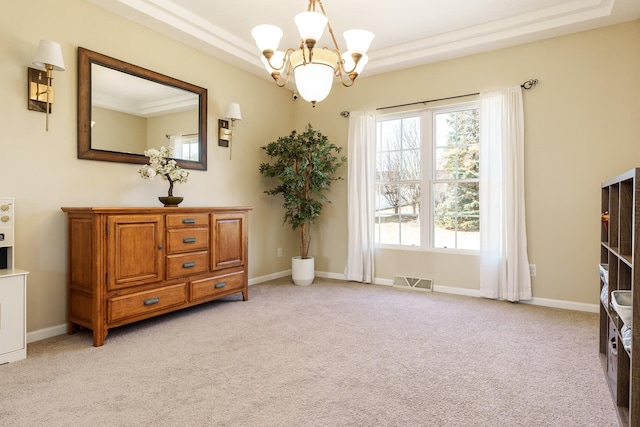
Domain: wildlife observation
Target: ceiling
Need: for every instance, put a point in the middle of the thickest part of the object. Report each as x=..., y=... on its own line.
x=407, y=32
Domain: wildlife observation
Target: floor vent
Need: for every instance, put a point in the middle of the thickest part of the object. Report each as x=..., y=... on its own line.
x=413, y=283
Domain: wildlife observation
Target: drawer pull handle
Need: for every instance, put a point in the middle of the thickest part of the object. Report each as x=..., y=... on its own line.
x=188, y=220
x=221, y=285
x=189, y=240
x=189, y=264
x=151, y=301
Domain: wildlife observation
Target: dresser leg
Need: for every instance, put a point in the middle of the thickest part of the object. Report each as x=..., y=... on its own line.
x=98, y=338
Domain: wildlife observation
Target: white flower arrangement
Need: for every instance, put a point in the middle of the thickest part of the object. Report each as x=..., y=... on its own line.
x=161, y=163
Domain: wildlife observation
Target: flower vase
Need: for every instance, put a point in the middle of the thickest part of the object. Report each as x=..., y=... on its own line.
x=170, y=201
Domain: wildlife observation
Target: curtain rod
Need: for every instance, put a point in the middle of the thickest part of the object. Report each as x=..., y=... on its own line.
x=526, y=86
x=184, y=134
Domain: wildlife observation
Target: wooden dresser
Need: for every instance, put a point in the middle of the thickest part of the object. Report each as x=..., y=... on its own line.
x=129, y=264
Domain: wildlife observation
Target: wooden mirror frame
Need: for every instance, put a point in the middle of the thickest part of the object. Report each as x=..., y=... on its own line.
x=85, y=151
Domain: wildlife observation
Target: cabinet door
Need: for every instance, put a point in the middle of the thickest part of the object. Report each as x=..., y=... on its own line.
x=135, y=252
x=229, y=240
x=12, y=315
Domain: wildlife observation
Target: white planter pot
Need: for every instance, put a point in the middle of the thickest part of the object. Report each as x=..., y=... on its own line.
x=302, y=270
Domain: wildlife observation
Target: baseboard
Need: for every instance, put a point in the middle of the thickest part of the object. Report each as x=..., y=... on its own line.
x=567, y=305
x=544, y=302
x=325, y=275
x=457, y=291
x=43, y=334
x=268, y=277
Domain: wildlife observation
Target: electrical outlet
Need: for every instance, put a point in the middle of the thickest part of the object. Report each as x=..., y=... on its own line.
x=279, y=252
x=532, y=269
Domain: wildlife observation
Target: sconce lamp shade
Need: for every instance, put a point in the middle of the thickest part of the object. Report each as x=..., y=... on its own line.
x=49, y=53
x=233, y=112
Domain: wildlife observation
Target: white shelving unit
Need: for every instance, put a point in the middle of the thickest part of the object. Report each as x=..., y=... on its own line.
x=13, y=315
x=13, y=291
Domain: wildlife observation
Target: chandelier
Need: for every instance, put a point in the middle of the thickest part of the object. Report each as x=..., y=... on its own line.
x=313, y=68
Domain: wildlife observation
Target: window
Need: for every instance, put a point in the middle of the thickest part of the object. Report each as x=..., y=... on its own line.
x=428, y=158
x=187, y=147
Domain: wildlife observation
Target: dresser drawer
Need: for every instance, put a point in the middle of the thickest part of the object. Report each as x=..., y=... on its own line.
x=188, y=220
x=187, y=264
x=187, y=240
x=207, y=288
x=140, y=303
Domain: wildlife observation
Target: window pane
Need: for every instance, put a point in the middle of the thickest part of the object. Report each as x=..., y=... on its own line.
x=389, y=135
x=469, y=202
x=444, y=199
x=443, y=237
x=446, y=162
x=410, y=216
x=456, y=215
x=440, y=171
x=387, y=199
x=457, y=148
x=389, y=166
x=410, y=133
x=398, y=214
x=387, y=214
x=410, y=166
x=468, y=237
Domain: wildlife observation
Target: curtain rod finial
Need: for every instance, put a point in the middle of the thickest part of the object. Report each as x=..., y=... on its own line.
x=344, y=113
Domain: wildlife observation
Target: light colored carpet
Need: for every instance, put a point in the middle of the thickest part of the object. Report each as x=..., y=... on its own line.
x=329, y=354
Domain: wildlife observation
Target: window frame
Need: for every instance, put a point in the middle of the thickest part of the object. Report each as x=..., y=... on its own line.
x=428, y=170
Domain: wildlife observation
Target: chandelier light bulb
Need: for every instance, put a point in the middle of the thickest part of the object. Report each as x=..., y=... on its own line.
x=310, y=25
x=277, y=60
x=358, y=41
x=349, y=64
x=267, y=37
x=313, y=81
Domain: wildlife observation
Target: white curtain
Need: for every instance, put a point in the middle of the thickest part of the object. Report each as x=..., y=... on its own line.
x=504, y=264
x=360, y=196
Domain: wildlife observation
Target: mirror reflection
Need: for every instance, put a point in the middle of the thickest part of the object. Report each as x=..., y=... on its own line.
x=131, y=115
x=124, y=110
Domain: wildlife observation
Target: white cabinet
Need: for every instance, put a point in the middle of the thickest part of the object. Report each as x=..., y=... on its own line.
x=13, y=319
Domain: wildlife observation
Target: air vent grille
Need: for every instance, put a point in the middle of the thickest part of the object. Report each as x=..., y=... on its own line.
x=413, y=283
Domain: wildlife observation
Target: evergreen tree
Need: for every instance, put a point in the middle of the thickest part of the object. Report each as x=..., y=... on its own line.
x=460, y=161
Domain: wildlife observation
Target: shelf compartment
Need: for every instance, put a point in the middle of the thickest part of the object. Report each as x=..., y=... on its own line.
x=604, y=226
x=622, y=304
x=625, y=217
x=614, y=207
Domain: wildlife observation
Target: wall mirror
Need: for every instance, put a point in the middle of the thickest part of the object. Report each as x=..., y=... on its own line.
x=124, y=110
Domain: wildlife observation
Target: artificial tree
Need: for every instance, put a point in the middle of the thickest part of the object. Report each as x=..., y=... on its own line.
x=304, y=165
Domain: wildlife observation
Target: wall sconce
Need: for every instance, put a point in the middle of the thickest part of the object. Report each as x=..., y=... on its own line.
x=41, y=96
x=225, y=131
